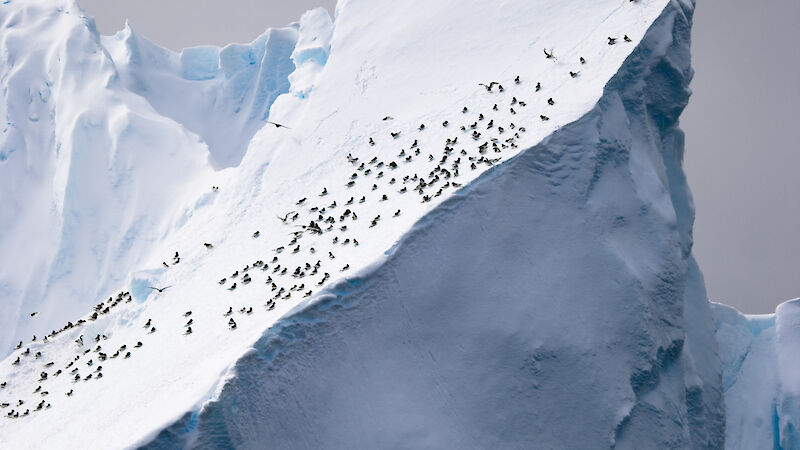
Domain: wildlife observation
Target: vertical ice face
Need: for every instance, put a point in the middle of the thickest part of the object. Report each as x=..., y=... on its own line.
x=760, y=376
x=221, y=94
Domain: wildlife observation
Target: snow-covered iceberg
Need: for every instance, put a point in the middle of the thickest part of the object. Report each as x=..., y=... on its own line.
x=356, y=244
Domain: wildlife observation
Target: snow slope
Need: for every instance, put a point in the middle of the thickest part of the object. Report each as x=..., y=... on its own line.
x=87, y=169
x=594, y=331
x=554, y=280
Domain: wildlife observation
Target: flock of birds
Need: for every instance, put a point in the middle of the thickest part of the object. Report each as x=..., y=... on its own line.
x=479, y=141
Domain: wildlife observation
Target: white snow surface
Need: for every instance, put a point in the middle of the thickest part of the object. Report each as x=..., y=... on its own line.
x=548, y=298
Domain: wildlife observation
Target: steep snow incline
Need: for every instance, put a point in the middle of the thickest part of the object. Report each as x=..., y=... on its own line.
x=588, y=230
x=552, y=302
x=760, y=367
x=90, y=174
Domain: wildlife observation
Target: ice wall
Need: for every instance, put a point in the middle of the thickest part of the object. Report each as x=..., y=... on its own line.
x=221, y=94
x=760, y=376
x=554, y=301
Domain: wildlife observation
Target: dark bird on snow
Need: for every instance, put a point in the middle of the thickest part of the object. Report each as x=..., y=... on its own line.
x=34, y=313
x=626, y=38
x=611, y=40
x=574, y=74
x=277, y=125
x=208, y=245
x=286, y=217
x=548, y=55
x=160, y=290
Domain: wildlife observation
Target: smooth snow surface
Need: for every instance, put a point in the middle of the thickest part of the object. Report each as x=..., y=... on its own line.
x=518, y=288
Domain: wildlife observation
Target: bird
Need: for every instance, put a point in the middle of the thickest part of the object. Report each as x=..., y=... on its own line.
x=574, y=74
x=188, y=330
x=208, y=245
x=583, y=61
x=611, y=40
x=550, y=101
x=538, y=86
x=285, y=217
x=160, y=290
x=187, y=314
x=488, y=86
x=34, y=313
x=277, y=125
x=548, y=55
x=626, y=38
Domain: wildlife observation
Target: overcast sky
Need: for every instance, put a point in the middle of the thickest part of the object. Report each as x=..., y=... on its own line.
x=742, y=154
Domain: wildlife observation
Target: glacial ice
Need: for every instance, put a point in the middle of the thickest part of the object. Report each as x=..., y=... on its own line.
x=550, y=300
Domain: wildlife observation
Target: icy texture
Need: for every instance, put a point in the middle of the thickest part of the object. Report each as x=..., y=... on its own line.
x=551, y=301
x=594, y=330
x=222, y=94
x=88, y=170
x=759, y=357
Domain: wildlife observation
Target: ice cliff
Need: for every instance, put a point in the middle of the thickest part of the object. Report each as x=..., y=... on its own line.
x=519, y=272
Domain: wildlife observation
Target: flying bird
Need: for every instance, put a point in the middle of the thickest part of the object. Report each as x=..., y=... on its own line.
x=277, y=125
x=160, y=290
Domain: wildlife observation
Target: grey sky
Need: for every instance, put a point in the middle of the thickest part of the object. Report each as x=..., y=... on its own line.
x=742, y=156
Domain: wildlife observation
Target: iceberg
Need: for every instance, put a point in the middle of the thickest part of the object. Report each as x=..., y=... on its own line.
x=426, y=224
